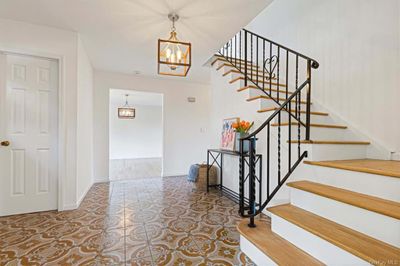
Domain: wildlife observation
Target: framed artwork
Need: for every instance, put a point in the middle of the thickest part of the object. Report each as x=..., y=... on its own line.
x=228, y=134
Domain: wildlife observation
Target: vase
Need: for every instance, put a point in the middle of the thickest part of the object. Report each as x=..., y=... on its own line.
x=246, y=143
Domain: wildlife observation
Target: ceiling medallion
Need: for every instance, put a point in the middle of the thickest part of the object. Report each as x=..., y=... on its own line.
x=174, y=56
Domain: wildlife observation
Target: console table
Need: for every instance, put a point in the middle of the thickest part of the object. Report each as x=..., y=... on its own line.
x=216, y=154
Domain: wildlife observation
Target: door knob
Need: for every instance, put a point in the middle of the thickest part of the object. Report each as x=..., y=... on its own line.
x=5, y=143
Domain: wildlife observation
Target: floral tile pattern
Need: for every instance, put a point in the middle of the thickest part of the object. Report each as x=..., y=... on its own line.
x=158, y=221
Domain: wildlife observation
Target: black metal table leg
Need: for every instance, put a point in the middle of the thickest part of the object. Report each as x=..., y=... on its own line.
x=220, y=170
x=208, y=171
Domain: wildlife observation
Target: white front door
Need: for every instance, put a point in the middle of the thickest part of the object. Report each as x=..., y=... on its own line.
x=28, y=134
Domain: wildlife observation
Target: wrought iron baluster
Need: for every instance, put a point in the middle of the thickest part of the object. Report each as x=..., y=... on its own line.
x=308, y=111
x=251, y=52
x=298, y=107
x=241, y=178
x=268, y=158
x=260, y=182
x=277, y=76
x=257, y=59
x=240, y=50
x=252, y=189
x=245, y=58
x=270, y=69
x=231, y=50
x=263, y=60
x=235, y=50
x=287, y=73
x=290, y=135
x=279, y=147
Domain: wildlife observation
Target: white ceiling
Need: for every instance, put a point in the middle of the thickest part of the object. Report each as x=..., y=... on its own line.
x=121, y=35
x=117, y=97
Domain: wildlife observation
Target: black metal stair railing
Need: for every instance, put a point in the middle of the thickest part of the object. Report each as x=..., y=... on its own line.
x=272, y=69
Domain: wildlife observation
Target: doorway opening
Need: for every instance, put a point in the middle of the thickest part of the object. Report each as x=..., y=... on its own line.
x=136, y=134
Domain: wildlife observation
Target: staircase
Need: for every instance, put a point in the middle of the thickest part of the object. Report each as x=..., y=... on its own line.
x=341, y=208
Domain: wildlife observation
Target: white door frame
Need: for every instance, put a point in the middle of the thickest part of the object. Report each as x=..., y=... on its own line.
x=62, y=126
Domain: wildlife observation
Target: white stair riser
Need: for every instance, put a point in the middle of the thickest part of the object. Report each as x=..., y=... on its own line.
x=320, y=152
x=316, y=133
x=241, y=84
x=314, y=245
x=240, y=75
x=225, y=69
x=268, y=103
x=315, y=119
x=254, y=92
x=381, y=227
x=257, y=256
x=375, y=185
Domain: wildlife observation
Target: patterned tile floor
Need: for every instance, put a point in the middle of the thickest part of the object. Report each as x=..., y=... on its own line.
x=158, y=221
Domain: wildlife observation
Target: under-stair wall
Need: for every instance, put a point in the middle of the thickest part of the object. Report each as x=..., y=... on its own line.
x=226, y=102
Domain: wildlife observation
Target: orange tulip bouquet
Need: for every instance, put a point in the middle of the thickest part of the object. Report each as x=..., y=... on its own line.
x=242, y=129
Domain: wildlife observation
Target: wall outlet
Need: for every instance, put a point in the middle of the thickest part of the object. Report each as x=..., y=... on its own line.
x=395, y=156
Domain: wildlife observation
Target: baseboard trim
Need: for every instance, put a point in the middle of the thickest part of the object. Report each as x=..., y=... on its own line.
x=174, y=175
x=69, y=207
x=84, y=195
x=101, y=179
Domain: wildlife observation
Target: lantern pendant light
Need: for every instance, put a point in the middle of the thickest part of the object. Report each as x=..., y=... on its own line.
x=174, y=56
x=126, y=112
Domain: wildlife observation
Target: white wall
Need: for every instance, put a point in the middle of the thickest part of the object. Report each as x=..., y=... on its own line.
x=357, y=45
x=84, y=123
x=184, y=143
x=226, y=102
x=136, y=138
x=33, y=39
x=51, y=42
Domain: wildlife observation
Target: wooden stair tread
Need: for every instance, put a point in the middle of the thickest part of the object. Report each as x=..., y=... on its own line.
x=378, y=167
x=333, y=142
x=360, y=245
x=269, y=98
x=370, y=203
x=256, y=88
x=281, y=251
x=259, y=81
x=303, y=112
x=239, y=72
x=313, y=125
x=222, y=58
x=226, y=63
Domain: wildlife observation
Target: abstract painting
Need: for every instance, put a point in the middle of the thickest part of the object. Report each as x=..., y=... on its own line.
x=228, y=134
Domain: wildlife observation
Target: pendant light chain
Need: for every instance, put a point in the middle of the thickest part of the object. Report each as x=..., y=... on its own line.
x=126, y=100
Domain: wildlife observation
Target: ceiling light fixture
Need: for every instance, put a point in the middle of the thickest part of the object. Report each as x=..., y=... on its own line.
x=126, y=112
x=174, y=56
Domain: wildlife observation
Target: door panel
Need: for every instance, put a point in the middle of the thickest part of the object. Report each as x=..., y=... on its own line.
x=29, y=98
